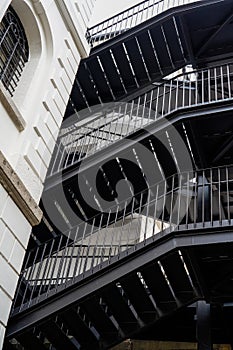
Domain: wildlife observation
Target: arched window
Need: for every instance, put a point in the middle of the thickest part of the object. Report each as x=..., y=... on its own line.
x=14, y=50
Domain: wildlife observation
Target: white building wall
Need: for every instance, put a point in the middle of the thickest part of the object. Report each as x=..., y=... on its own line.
x=30, y=122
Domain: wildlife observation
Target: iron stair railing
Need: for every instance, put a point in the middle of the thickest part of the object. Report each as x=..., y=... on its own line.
x=190, y=90
x=190, y=200
x=129, y=18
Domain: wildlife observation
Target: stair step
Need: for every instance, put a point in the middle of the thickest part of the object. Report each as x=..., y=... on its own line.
x=138, y=296
x=178, y=277
x=101, y=320
x=57, y=337
x=79, y=328
x=159, y=288
x=120, y=308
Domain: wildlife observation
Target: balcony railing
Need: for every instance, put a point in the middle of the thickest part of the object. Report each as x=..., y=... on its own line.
x=190, y=200
x=130, y=18
x=192, y=89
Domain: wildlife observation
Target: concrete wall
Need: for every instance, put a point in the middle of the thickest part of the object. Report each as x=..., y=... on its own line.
x=30, y=122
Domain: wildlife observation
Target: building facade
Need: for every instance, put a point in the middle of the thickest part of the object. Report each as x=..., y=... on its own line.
x=136, y=236
x=42, y=43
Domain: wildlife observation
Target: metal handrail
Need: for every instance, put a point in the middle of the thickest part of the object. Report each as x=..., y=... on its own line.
x=129, y=18
x=192, y=199
x=192, y=89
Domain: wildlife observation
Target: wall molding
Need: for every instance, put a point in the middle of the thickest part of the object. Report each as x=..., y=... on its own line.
x=11, y=108
x=18, y=192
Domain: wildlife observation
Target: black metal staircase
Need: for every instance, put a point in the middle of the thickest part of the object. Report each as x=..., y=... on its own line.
x=128, y=262
x=152, y=50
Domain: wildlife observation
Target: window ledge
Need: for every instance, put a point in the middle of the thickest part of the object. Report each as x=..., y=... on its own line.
x=11, y=108
x=18, y=192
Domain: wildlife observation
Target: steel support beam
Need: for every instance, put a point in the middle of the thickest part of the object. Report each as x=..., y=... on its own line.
x=209, y=39
x=77, y=292
x=203, y=328
x=225, y=147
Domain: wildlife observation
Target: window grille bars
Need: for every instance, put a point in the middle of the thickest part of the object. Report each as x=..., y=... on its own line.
x=14, y=51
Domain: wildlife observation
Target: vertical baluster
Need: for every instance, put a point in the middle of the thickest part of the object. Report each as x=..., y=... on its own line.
x=132, y=18
x=83, y=147
x=138, y=227
x=228, y=196
x=22, y=278
x=128, y=131
x=104, y=239
x=115, y=137
x=163, y=101
x=136, y=18
x=129, y=241
x=111, y=253
x=60, y=165
x=155, y=211
x=123, y=121
x=219, y=196
x=155, y=8
x=94, y=250
x=171, y=203
x=117, y=122
x=215, y=85
x=82, y=251
x=30, y=278
x=78, y=261
x=177, y=94
x=137, y=112
x=229, y=81
x=38, y=267
x=209, y=85
x=100, y=127
x=164, y=203
x=211, y=196
x=98, y=258
x=147, y=215
x=58, y=271
x=190, y=92
x=98, y=138
x=147, y=15
x=89, y=139
x=183, y=91
x=57, y=156
x=143, y=12
x=203, y=202
x=195, y=200
x=179, y=200
x=121, y=235
x=68, y=148
x=143, y=110
x=222, y=82
x=150, y=103
x=188, y=199
x=93, y=140
x=46, y=270
x=196, y=89
x=67, y=258
x=162, y=6
x=157, y=104
x=77, y=142
x=87, y=252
